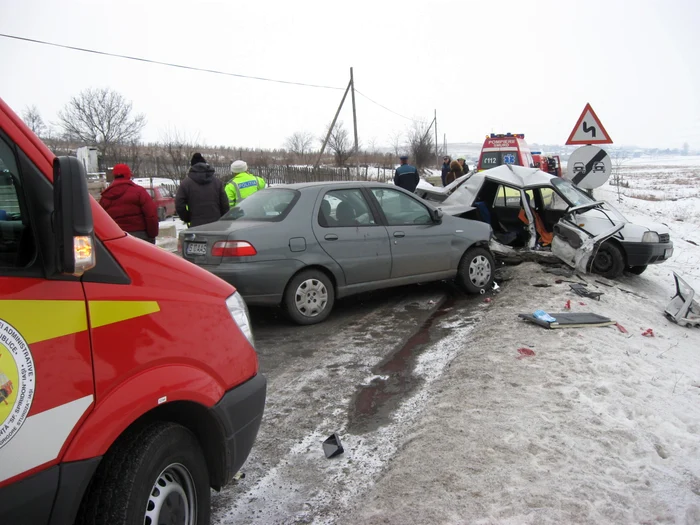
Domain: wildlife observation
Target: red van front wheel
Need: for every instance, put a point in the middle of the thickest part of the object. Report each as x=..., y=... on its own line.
x=153, y=474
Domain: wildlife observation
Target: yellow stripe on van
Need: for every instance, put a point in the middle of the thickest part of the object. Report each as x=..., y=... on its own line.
x=43, y=320
x=103, y=313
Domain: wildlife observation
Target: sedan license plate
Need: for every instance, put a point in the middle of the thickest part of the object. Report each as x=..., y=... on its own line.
x=196, y=248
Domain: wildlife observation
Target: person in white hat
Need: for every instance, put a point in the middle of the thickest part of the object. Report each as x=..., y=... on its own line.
x=243, y=184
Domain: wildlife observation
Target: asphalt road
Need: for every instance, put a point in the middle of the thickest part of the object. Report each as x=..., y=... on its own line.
x=365, y=373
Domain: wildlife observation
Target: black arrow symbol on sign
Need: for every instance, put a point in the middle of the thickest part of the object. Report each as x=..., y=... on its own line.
x=589, y=167
x=586, y=129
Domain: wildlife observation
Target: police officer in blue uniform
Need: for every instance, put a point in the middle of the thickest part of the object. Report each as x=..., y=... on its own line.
x=406, y=176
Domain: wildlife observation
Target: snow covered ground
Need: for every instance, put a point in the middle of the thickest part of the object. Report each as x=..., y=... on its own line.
x=598, y=426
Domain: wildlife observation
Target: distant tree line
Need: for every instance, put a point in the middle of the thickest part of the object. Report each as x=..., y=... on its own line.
x=104, y=119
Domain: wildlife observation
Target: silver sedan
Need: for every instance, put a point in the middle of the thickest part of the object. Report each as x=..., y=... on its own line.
x=302, y=246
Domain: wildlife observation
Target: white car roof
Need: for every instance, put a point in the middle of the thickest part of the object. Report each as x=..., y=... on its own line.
x=517, y=176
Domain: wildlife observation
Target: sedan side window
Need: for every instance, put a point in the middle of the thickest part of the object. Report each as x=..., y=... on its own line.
x=552, y=200
x=400, y=209
x=345, y=208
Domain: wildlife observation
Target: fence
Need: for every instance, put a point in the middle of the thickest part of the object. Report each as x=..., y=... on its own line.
x=281, y=174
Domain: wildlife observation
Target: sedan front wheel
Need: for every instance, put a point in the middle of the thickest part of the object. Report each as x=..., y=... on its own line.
x=309, y=297
x=475, y=272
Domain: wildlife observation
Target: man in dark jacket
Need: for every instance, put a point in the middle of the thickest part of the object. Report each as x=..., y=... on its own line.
x=201, y=198
x=406, y=176
x=130, y=205
x=445, y=168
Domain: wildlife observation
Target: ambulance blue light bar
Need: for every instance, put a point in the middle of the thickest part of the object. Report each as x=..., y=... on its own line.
x=507, y=135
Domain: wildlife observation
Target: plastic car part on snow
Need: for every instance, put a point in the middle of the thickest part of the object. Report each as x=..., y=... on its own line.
x=683, y=309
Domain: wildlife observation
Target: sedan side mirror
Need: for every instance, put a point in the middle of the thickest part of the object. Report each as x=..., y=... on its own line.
x=72, y=220
x=436, y=214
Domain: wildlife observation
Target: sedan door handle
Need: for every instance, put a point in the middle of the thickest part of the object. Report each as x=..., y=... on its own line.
x=399, y=234
x=331, y=237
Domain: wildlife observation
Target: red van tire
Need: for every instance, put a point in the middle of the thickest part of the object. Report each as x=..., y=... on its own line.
x=157, y=471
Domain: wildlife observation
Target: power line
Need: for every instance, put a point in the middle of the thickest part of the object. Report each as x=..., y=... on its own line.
x=138, y=59
x=386, y=108
x=204, y=70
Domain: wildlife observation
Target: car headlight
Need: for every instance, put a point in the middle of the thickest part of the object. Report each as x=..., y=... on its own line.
x=239, y=313
x=650, y=237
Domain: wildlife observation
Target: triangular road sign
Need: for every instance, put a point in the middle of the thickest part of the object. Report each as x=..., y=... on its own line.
x=589, y=130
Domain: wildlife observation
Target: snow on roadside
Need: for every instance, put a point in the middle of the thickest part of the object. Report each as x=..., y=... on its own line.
x=597, y=427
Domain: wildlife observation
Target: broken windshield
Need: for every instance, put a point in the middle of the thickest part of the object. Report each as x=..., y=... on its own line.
x=571, y=193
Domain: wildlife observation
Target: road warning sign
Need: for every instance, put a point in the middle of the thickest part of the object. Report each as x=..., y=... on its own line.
x=589, y=167
x=588, y=129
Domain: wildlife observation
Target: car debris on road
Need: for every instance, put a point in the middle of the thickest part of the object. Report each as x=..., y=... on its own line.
x=683, y=308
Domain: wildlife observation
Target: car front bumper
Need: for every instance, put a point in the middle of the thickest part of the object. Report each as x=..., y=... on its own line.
x=240, y=412
x=644, y=253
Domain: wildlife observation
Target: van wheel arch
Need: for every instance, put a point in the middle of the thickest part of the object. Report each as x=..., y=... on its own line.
x=202, y=423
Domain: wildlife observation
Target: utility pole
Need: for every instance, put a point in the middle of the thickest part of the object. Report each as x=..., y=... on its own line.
x=330, y=129
x=437, y=158
x=354, y=122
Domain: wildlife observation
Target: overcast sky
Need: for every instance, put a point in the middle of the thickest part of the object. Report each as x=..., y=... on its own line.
x=519, y=66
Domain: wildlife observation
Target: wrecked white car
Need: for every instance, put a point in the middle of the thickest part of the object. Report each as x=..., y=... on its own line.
x=531, y=211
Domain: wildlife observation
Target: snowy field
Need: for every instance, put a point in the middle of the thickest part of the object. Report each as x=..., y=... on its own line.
x=598, y=426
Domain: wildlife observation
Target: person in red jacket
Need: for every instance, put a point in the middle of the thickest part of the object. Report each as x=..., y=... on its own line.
x=130, y=205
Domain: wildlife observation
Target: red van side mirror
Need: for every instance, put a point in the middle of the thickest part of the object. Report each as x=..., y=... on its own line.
x=72, y=217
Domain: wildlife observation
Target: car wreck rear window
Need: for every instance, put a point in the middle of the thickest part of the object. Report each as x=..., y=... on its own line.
x=571, y=193
x=265, y=205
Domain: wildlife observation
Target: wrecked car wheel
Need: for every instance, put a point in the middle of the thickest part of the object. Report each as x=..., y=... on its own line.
x=609, y=261
x=637, y=270
x=475, y=272
x=309, y=297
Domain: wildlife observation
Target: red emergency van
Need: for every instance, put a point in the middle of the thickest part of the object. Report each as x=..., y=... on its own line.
x=506, y=148
x=135, y=379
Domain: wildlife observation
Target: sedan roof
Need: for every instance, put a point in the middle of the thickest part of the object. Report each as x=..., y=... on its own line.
x=518, y=176
x=302, y=185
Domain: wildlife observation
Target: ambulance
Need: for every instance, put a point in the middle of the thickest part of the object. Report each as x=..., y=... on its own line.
x=508, y=148
x=135, y=386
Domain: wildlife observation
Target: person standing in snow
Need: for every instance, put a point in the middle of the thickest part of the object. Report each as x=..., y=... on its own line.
x=243, y=184
x=200, y=199
x=130, y=205
x=406, y=176
x=445, y=169
x=454, y=173
x=463, y=163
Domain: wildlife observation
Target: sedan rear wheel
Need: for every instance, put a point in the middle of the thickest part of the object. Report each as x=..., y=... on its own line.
x=309, y=297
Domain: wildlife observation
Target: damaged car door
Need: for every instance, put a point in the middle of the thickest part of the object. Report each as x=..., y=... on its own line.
x=575, y=246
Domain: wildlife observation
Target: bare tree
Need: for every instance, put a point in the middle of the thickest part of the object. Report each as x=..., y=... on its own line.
x=32, y=118
x=618, y=159
x=102, y=118
x=300, y=143
x=175, y=150
x=421, y=144
x=396, y=142
x=339, y=144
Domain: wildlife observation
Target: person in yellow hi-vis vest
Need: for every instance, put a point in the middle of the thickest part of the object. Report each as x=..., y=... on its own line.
x=243, y=184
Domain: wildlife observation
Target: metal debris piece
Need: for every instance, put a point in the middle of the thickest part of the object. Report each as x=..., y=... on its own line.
x=332, y=446
x=683, y=308
x=583, y=291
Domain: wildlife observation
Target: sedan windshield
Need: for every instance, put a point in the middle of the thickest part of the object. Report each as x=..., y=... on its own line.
x=265, y=205
x=571, y=193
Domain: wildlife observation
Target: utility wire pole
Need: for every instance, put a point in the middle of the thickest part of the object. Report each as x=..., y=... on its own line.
x=437, y=158
x=354, y=121
x=330, y=129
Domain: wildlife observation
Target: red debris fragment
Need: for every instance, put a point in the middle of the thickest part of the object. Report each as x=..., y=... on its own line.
x=526, y=352
x=568, y=305
x=648, y=333
x=621, y=328
x=487, y=300
x=582, y=304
